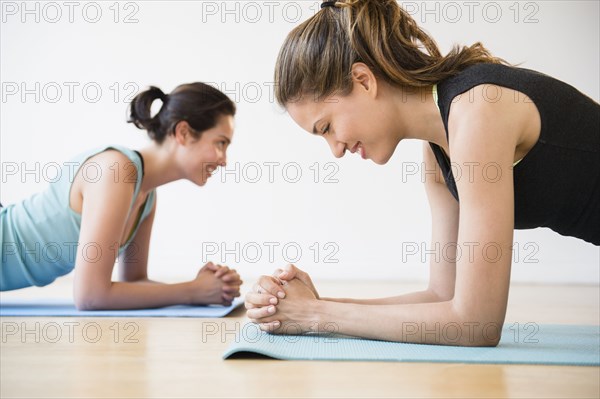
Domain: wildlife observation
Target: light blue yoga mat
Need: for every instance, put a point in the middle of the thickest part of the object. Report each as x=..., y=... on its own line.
x=65, y=308
x=525, y=344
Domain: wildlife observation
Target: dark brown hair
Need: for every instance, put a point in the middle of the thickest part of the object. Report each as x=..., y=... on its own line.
x=317, y=56
x=199, y=104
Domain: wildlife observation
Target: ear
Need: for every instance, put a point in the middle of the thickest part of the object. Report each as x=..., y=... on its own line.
x=182, y=133
x=364, y=78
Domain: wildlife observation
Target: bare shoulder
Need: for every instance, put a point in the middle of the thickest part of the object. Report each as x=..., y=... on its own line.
x=110, y=166
x=116, y=166
x=493, y=115
x=108, y=174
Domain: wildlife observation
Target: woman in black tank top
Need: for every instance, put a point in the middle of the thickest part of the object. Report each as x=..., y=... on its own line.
x=364, y=76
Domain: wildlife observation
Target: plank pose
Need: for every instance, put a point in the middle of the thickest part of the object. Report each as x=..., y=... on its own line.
x=364, y=76
x=103, y=208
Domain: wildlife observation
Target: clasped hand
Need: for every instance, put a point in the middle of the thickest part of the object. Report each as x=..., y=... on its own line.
x=284, y=302
x=216, y=284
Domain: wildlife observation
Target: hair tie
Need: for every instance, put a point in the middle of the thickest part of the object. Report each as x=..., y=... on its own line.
x=163, y=97
x=328, y=4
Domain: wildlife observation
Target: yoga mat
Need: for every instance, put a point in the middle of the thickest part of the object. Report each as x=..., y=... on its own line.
x=531, y=343
x=65, y=308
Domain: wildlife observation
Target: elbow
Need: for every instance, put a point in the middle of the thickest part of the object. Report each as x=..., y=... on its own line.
x=480, y=327
x=90, y=301
x=86, y=304
x=441, y=295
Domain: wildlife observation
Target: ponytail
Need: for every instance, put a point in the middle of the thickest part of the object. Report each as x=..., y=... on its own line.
x=140, y=112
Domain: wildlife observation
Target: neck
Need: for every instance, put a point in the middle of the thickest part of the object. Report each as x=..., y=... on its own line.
x=159, y=166
x=419, y=117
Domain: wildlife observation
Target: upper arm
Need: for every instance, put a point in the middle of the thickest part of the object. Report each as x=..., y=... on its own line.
x=444, y=219
x=133, y=263
x=105, y=207
x=483, y=139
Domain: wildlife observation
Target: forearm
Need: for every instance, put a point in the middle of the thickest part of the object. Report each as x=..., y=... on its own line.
x=425, y=296
x=143, y=281
x=428, y=323
x=137, y=295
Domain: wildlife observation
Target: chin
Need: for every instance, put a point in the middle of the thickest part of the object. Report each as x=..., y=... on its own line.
x=199, y=182
x=385, y=155
x=382, y=160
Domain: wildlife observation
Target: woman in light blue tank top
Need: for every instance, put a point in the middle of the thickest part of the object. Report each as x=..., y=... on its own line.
x=102, y=209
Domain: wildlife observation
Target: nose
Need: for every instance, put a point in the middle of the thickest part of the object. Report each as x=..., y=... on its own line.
x=338, y=149
x=222, y=157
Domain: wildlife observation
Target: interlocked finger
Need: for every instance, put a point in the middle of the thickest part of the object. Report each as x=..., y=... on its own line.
x=259, y=313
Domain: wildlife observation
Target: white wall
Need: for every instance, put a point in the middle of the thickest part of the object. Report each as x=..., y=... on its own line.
x=368, y=216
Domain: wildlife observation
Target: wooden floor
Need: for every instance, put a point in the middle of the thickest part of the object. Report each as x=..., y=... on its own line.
x=100, y=357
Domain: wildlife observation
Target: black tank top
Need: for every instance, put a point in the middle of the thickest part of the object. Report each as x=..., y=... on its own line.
x=557, y=184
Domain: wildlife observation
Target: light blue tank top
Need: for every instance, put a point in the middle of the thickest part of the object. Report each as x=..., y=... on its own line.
x=40, y=234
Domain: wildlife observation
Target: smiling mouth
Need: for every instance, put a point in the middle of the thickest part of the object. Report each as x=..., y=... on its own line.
x=210, y=170
x=358, y=147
